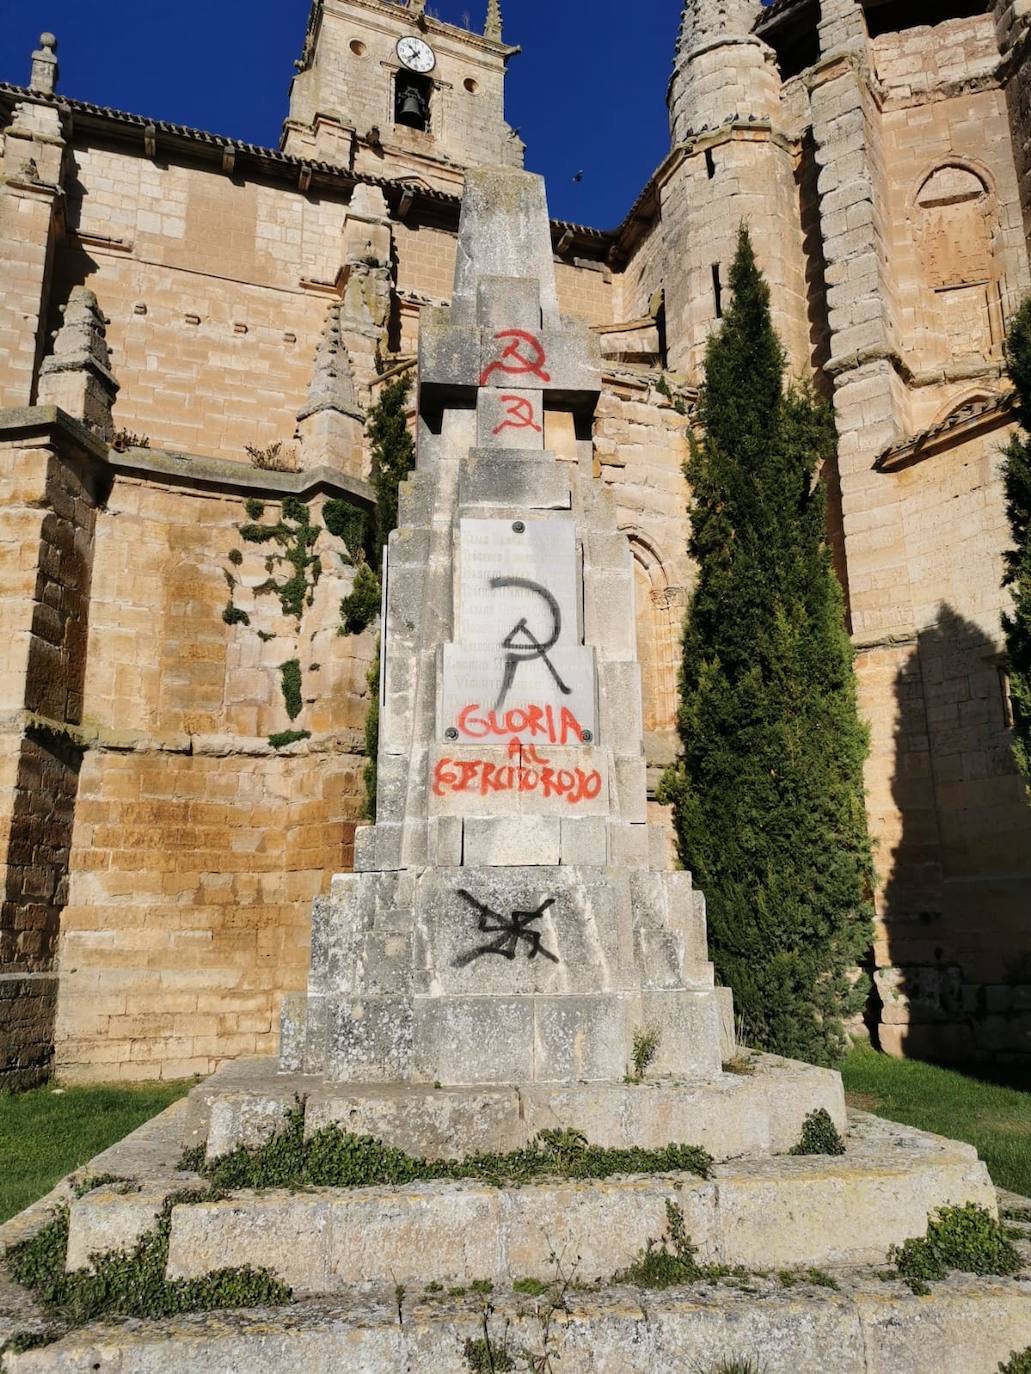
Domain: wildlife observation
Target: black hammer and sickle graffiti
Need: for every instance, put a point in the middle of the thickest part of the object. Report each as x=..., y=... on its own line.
x=522, y=644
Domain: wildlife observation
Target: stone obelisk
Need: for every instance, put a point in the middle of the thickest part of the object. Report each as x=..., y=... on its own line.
x=511, y=920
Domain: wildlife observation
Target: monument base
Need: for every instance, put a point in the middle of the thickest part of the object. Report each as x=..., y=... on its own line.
x=384, y=1278
x=758, y=1112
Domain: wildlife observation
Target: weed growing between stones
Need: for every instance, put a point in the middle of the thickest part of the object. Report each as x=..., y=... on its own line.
x=671, y=1260
x=645, y=1048
x=82, y=1186
x=734, y=1367
x=965, y=1238
x=1021, y=1214
x=287, y=737
x=337, y=1159
x=819, y=1136
x=742, y=1064
x=789, y=1278
x=127, y=1283
x=482, y=1357
x=1018, y=1363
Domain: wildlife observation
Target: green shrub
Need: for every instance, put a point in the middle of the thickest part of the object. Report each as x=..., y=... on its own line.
x=1018, y=1363
x=362, y=605
x=232, y=615
x=819, y=1136
x=483, y=1357
x=129, y=1283
x=965, y=1238
x=350, y=524
x=768, y=796
x=290, y=675
x=645, y=1048
x=336, y=1158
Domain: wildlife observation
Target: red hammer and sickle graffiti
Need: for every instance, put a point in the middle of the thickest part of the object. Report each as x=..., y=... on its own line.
x=520, y=411
x=527, y=354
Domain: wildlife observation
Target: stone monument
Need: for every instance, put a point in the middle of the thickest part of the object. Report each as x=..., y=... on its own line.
x=510, y=921
x=510, y=941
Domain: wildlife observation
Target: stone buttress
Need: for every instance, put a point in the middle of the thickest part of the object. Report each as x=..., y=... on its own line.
x=510, y=921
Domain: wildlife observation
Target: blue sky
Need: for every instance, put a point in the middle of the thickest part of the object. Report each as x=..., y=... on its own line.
x=588, y=91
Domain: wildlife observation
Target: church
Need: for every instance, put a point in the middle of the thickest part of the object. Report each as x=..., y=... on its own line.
x=193, y=331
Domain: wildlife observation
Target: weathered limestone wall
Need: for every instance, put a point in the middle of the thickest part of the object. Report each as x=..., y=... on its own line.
x=196, y=850
x=215, y=290
x=925, y=261
x=47, y=526
x=31, y=153
x=190, y=899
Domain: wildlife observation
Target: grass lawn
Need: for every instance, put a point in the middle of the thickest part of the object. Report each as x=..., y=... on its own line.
x=994, y=1117
x=46, y=1134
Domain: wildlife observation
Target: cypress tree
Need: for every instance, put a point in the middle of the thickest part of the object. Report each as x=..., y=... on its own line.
x=1017, y=477
x=768, y=795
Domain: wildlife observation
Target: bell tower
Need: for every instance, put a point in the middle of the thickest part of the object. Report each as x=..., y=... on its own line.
x=387, y=90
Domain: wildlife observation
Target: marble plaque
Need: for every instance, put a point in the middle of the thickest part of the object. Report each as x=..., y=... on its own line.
x=518, y=668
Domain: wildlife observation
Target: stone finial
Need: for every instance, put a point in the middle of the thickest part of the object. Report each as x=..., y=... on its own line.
x=492, y=28
x=332, y=384
x=331, y=423
x=503, y=232
x=44, y=66
x=417, y=6
x=77, y=375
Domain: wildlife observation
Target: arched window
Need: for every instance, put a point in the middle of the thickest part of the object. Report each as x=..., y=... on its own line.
x=660, y=613
x=955, y=226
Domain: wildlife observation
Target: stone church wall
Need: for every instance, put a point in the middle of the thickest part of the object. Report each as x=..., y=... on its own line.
x=160, y=855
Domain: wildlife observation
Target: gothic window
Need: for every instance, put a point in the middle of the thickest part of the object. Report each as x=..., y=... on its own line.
x=660, y=613
x=954, y=228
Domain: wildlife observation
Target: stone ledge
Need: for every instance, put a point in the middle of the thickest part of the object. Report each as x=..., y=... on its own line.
x=774, y=1212
x=184, y=469
x=759, y=1113
x=965, y=1326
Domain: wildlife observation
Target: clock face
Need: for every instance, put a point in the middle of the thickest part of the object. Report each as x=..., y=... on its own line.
x=416, y=54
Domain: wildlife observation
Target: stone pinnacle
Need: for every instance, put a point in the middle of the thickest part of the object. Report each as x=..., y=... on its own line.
x=492, y=28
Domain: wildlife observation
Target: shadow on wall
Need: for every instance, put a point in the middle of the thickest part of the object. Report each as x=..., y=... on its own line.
x=953, y=946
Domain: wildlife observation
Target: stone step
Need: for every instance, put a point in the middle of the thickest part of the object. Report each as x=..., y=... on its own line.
x=866, y=1326
x=778, y=1212
x=760, y=1112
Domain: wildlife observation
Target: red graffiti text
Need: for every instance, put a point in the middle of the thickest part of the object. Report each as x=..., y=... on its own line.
x=545, y=723
x=477, y=776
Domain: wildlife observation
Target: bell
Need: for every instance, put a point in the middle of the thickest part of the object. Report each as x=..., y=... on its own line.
x=411, y=108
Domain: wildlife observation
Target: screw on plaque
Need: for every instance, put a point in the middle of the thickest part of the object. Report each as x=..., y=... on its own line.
x=451, y=733
x=518, y=527
x=586, y=736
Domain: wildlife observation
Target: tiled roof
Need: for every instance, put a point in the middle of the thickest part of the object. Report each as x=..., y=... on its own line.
x=271, y=159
